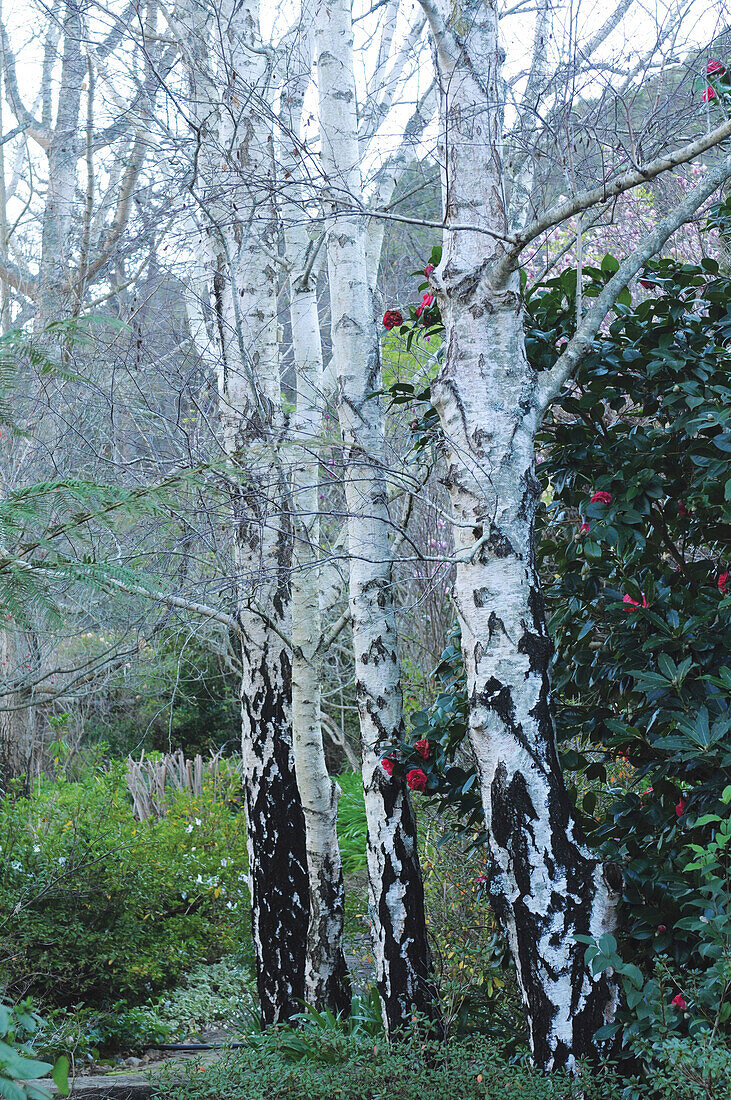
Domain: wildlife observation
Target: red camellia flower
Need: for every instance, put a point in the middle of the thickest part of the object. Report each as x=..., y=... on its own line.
x=427, y=301
x=601, y=497
x=416, y=779
x=680, y=1002
x=680, y=808
x=428, y=270
x=387, y=764
x=708, y=94
x=632, y=604
x=585, y=528
x=422, y=747
x=392, y=318
x=714, y=68
x=722, y=582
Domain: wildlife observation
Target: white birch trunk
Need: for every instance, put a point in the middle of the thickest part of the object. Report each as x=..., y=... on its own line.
x=327, y=982
x=54, y=299
x=237, y=209
x=546, y=885
x=396, y=898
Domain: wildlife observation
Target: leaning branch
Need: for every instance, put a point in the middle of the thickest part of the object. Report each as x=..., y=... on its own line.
x=562, y=211
x=21, y=112
x=551, y=381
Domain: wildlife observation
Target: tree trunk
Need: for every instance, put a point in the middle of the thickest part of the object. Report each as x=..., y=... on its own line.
x=54, y=300
x=546, y=885
x=234, y=190
x=327, y=980
x=17, y=727
x=396, y=898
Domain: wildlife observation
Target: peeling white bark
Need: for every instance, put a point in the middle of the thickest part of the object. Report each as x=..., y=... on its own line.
x=327, y=983
x=546, y=885
x=395, y=889
x=238, y=213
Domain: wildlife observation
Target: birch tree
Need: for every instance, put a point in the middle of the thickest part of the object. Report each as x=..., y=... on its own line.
x=327, y=982
x=547, y=887
x=228, y=100
x=396, y=899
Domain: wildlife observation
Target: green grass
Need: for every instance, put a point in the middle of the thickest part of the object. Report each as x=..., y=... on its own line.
x=352, y=823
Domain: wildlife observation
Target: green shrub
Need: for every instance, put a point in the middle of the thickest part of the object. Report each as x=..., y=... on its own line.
x=211, y=995
x=96, y=906
x=364, y=1069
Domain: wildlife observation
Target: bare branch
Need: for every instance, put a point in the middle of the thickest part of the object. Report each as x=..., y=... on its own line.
x=552, y=381
x=568, y=208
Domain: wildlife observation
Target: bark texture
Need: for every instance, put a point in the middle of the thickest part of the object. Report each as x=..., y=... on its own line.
x=403, y=969
x=237, y=211
x=327, y=982
x=546, y=885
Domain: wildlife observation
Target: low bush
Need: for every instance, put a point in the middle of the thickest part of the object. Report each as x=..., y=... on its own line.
x=217, y=994
x=97, y=907
x=364, y=1069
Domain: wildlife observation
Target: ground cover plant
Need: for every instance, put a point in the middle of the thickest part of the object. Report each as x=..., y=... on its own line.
x=357, y=1067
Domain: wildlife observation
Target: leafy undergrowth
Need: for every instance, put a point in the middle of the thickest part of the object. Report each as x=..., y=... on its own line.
x=213, y=996
x=358, y=1068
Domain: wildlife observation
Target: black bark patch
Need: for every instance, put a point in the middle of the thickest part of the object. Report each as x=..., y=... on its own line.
x=539, y=650
x=407, y=984
x=500, y=544
x=498, y=698
x=276, y=825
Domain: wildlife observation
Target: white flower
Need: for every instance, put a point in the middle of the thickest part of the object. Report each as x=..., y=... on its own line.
x=16, y=866
x=224, y=863
x=36, y=847
x=61, y=861
x=198, y=821
x=189, y=828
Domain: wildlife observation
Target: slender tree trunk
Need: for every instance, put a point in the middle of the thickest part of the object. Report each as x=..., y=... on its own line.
x=238, y=213
x=17, y=727
x=546, y=885
x=327, y=980
x=403, y=969
x=54, y=300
